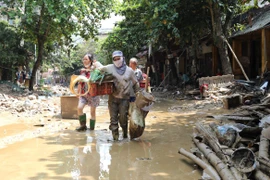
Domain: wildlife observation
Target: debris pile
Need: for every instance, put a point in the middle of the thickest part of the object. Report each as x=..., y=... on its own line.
x=236, y=145
x=24, y=103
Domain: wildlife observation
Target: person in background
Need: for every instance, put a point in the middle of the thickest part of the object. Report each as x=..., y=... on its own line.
x=118, y=103
x=18, y=77
x=138, y=73
x=184, y=78
x=93, y=101
x=23, y=76
x=133, y=62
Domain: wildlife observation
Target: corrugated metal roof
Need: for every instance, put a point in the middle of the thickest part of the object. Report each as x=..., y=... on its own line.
x=257, y=23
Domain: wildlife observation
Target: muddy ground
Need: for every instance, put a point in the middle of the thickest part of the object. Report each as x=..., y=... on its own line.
x=45, y=146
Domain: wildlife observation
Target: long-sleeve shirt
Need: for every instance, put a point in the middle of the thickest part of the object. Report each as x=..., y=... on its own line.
x=123, y=83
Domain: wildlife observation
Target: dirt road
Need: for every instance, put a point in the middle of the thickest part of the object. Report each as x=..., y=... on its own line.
x=53, y=150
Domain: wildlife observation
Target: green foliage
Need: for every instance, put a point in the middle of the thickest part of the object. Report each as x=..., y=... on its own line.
x=11, y=52
x=74, y=60
x=46, y=22
x=160, y=23
x=172, y=23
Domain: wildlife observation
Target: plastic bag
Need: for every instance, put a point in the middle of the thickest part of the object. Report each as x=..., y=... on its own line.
x=96, y=75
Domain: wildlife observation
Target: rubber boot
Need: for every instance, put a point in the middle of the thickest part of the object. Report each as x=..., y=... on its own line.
x=124, y=132
x=82, y=120
x=115, y=134
x=92, y=124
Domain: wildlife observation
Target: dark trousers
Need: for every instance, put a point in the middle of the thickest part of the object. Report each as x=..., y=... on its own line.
x=118, y=109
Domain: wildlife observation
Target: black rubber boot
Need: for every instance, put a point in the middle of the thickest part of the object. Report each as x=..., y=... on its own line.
x=92, y=124
x=124, y=132
x=115, y=134
x=82, y=120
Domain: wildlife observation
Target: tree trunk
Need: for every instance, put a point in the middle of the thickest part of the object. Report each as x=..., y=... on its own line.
x=36, y=65
x=224, y=57
x=218, y=35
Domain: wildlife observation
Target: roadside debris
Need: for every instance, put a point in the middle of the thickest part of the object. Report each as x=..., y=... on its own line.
x=235, y=145
x=24, y=103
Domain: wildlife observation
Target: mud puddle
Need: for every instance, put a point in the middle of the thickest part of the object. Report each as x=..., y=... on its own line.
x=67, y=154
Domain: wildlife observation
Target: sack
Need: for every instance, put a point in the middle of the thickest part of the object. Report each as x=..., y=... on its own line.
x=144, y=99
x=137, y=121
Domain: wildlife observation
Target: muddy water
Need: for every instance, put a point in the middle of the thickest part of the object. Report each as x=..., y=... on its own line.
x=67, y=154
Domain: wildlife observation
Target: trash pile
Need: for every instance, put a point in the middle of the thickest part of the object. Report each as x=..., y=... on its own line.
x=216, y=88
x=236, y=145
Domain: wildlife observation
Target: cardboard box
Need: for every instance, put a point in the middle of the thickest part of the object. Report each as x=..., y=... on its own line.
x=69, y=106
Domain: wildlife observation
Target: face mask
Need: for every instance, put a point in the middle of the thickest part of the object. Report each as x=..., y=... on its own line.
x=118, y=63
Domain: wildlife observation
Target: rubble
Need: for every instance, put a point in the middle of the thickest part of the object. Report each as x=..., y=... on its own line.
x=235, y=145
x=24, y=103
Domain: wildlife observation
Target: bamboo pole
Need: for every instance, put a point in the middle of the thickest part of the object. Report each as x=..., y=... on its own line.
x=165, y=78
x=147, y=79
x=212, y=141
x=221, y=168
x=264, y=147
x=206, y=167
x=239, y=63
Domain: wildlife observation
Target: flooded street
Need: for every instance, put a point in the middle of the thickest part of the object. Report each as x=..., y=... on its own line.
x=56, y=151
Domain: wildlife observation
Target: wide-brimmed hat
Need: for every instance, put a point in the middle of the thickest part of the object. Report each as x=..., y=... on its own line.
x=117, y=53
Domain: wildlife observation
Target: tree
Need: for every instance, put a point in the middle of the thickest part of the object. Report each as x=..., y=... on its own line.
x=13, y=54
x=47, y=21
x=181, y=22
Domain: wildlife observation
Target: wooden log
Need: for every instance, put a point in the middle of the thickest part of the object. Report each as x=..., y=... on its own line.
x=264, y=147
x=211, y=140
x=221, y=168
x=206, y=167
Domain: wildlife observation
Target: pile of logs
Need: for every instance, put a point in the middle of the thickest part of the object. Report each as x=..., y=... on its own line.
x=235, y=146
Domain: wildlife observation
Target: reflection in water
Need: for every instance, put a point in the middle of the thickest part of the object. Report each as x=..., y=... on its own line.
x=105, y=159
x=75, y=172
x=86, y=158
